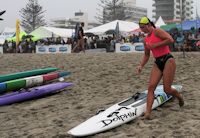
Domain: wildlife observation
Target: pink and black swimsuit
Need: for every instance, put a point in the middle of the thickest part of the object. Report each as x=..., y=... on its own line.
x=161, y=53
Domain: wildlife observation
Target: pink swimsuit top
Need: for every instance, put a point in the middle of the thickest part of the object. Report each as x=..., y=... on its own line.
x=158, y=51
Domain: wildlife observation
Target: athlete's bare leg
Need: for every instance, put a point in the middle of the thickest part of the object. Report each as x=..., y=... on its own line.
x=155, y=77
x=168, y=77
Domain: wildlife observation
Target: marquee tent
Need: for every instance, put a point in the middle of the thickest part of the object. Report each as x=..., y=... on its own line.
x=168, y=27
x=9, y=34
x=187, y=25
x=6, y=33
x=135, y=31
x=45, y=32
x=159, y=22
x=22, y=33
x=124, y=26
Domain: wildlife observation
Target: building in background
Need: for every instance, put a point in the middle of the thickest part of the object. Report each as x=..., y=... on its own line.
x=173, y=10
x=71, y=22
x=130, y=2
x=133, y=12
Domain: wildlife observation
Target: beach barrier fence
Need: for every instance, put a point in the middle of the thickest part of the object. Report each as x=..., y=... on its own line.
x=129, y=47
x=53, y=49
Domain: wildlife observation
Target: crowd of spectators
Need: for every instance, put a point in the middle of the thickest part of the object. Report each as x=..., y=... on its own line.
x=183, y=40
x=29, y=46
x=186, y=40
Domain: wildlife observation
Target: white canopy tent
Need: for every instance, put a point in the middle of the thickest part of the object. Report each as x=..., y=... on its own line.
x=124, y=26
x=45, y=32
x=7, y=33
x=159, y=22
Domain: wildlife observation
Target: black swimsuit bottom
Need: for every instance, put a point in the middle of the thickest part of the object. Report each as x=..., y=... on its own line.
x=161, y=61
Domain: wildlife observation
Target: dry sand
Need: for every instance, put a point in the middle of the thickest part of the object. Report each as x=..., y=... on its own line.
x=101, y=80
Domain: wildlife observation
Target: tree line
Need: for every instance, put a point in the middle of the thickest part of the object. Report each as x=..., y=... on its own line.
x=32, y=15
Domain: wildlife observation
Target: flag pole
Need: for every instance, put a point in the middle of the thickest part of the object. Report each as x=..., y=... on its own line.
x=17, y=34
x=181, y=3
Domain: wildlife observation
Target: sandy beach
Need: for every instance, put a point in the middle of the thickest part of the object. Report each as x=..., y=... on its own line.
x=100, y=80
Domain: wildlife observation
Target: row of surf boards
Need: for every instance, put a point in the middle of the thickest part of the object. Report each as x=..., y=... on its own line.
x=25, y=81
x=30, y=81
x=116, y=115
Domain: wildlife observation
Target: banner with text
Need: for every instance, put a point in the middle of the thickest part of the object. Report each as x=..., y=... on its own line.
x=129, y=47
x=54, y=49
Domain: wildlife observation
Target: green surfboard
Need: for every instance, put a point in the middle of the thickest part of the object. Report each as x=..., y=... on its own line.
x=15, y=84
x=18, y=75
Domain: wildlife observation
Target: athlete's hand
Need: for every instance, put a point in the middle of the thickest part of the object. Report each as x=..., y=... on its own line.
x=138, y=69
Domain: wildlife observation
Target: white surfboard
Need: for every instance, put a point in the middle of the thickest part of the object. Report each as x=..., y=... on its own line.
x=121, y=113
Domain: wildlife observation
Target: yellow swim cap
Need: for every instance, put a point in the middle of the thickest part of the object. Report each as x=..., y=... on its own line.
x=144, y=20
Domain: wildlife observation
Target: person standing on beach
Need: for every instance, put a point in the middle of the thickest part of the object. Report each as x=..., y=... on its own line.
x=80, y=44
x=157, y=41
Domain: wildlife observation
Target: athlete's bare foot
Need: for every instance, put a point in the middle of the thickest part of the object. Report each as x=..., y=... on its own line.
x=146, y=117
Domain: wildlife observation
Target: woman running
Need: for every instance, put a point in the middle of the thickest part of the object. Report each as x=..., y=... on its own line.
x=157, y=41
